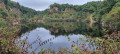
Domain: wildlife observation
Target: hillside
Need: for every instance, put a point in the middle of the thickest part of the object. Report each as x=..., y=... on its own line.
x=98, y=8
x=12, y=17
x=13, y=11
x=16, y=19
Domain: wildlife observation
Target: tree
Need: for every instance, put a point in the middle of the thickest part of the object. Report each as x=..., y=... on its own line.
x=4, y=14
x=2, y=22
x=113, y=18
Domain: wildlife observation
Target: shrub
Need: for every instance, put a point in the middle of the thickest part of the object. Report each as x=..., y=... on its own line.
x=2, y=22
x=113, y=18
x=4, y=14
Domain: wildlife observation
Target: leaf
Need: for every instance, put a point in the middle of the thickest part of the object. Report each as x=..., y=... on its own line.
x=99, y=39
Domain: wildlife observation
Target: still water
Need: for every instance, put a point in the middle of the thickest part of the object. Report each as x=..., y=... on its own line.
x=42, y=38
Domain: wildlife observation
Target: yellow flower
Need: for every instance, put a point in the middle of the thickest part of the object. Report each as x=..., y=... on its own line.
x=76, y=47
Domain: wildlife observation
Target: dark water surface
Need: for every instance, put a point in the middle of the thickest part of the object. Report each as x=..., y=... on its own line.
x=56, y=36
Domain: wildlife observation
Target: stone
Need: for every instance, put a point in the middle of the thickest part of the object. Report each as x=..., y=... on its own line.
x=119, y=33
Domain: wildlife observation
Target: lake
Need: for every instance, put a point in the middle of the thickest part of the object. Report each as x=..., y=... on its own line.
x=58, y=35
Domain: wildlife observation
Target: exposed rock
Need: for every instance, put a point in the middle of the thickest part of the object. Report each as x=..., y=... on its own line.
x=68, y=10
x=9, y=10
x=2, y=5
x=16, y=22
x=17, y=11
x=119, y=33
x=54, y=9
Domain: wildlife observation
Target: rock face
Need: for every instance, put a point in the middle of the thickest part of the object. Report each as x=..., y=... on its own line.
x=54, y=9
x=119, y=33
x=2, y=5
x=68, y=10
x=16, y=22
x=16, y=10
x=9, y=11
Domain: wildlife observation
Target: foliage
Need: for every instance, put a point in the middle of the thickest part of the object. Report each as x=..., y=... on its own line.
x=113, y=18
x=8, y=34
x=3, y=13
x=98, y=8
x=2, y=22
x=13, y=14
x=107, y=11
x=24, y=10
x=105, y=45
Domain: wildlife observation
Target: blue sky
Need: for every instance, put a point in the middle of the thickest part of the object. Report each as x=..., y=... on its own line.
x=44, y=4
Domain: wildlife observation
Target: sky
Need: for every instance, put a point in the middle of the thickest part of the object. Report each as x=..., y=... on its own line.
x=44, y=4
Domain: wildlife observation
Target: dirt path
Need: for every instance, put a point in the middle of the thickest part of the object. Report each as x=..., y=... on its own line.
x=91, y=20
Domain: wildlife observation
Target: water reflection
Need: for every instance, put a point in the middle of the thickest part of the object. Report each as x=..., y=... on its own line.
x=57, y=35
x=74, y=28
x=40, y=38
x=66, y=28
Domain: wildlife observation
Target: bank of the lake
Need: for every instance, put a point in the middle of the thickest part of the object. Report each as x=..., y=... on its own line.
x=71, y=37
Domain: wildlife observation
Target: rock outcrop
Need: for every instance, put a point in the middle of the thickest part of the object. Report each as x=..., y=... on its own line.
x=2, y=5
x=54, y=9
x=16, y=10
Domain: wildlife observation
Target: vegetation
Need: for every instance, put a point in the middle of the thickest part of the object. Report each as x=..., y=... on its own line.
x=14, y=20
x=67, y=28
x=10, y=25
x=107, y=46
x=99, y=9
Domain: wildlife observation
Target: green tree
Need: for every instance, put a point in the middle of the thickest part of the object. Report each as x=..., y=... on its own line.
x=4, y=14
x=113, y=18
x=2, y=22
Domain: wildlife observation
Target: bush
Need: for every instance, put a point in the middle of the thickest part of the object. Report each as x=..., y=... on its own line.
x=4, y=14
x=113, y=18
x=2, y=22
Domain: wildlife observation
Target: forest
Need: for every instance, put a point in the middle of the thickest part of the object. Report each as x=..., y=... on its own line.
x=103, y=12
x=62, y=19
